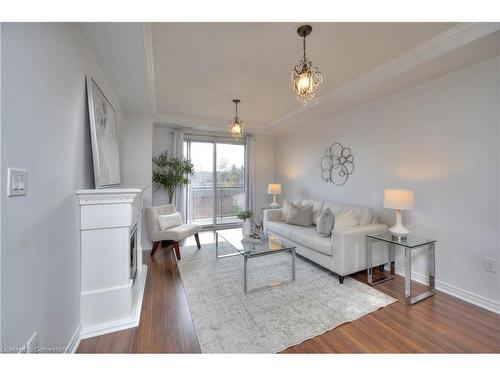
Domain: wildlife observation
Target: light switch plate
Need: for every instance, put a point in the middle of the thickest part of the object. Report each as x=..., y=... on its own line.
x=16, y=182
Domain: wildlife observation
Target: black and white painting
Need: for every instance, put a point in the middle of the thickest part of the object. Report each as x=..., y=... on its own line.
x=104, y=134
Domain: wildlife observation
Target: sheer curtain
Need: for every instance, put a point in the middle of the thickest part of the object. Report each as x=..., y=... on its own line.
x=249, y=173
x=180, y=192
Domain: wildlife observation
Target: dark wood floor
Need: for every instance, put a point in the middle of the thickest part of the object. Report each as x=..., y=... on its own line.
x=440, y=324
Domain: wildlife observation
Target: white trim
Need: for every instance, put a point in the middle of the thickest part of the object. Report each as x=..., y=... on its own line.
x=121, y=324
x=433, y=48
x=147, y=39
x=105, y=290
x=107, y=196
x=454, y=291
x=203, y=123
x=146, y=247
x=73, y=342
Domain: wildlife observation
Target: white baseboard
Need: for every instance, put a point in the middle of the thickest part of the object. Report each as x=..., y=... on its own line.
x=454, y=291
x=73, y=342
x=121, y=324
x=147, y=246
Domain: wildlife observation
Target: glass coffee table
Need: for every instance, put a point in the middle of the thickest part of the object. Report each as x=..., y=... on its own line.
x=248, y=248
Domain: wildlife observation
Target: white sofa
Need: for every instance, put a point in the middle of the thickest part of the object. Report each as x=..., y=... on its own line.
x=344, y=252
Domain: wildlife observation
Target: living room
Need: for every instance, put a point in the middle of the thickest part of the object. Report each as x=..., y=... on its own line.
x=250, y=186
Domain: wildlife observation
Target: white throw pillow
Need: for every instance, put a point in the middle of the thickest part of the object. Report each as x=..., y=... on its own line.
x=345, y=219
x=286, y=208
x=302, y=216
x=169, y=221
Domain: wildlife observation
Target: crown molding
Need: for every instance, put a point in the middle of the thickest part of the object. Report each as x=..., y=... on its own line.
x=147, y=39
x=431, y=49
x=201, y=123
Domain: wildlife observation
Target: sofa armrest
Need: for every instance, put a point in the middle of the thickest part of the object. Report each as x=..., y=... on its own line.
x=349, y=248
x=270, y=215
x=361, y=230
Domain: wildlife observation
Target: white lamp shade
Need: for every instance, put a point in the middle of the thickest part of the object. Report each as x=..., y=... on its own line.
x=399, y=199
x=274, y=189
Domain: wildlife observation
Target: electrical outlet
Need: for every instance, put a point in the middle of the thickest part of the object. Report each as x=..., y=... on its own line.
x=490, y=264
x=32, y=346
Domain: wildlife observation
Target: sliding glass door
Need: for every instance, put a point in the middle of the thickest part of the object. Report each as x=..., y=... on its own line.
x=217, y=190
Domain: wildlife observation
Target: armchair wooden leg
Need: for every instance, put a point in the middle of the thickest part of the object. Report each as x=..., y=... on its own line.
x=197, y=240
x=155, y=246
x=177, y=250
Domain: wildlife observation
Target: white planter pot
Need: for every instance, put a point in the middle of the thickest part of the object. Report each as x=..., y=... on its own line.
x=247, y=227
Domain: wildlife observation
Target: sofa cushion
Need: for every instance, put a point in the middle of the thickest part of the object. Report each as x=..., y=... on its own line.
x=317, y=205
x=302, y=216
x=280, y=228
x=363, y=214
x=308, y=237
x=180, y=232
x=345, y=219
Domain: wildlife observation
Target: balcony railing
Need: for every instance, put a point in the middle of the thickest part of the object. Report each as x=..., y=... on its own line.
x=230, y=201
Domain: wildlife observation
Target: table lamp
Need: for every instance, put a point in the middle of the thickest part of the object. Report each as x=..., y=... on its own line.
x=399, y=199
x=274, y=189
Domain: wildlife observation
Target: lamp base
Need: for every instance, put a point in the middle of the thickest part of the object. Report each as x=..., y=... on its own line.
x=274, y=204
x=398, y=231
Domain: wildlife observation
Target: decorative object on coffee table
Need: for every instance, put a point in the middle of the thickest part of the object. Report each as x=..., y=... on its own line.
x=247, y=225
x=104, y=137
x=410, y=243
x=399, y=199
x=274, y=189
x=337, y=164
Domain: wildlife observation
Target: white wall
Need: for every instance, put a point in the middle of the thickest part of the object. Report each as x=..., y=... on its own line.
x=1, y=183
x=441, y=139
x=264, y=172
x=45, y=130
x=137, y=151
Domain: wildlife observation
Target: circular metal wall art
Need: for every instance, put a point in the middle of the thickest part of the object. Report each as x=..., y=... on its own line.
x=337, y=164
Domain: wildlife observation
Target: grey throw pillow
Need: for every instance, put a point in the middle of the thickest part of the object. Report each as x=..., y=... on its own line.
x=302, y=216
x=325, y=223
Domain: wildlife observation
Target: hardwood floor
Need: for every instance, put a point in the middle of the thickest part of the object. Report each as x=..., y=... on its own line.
x=440, y=324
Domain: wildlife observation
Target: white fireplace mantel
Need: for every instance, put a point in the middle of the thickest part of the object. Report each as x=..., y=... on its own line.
x=111, y=298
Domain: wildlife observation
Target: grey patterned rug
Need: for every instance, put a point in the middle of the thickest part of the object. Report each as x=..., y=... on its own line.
x=229, y=321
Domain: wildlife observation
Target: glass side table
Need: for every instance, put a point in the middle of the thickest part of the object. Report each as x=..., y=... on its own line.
x=409, y=244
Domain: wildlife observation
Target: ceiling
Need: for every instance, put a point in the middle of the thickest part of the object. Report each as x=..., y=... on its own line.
x=200, y=67
x=186, y=74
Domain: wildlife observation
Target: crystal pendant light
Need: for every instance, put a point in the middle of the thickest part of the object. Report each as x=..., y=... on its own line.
x=305, y=77
x=236, y=126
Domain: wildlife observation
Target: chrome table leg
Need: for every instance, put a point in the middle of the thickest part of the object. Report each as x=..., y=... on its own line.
x=369, y=264
x=408, y=275
x=432, y=282
x=392, y=258
x=369, y=260
x=245, y=274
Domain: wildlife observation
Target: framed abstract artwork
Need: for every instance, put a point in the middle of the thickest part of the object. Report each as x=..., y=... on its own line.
x=104, y=137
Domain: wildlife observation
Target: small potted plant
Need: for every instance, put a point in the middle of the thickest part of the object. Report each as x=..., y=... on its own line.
x=245, y=216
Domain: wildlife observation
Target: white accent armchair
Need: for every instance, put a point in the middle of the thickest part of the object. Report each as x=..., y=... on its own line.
x=174, y=234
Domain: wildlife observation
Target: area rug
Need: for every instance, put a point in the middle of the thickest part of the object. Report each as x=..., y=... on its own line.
x=268, y=321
